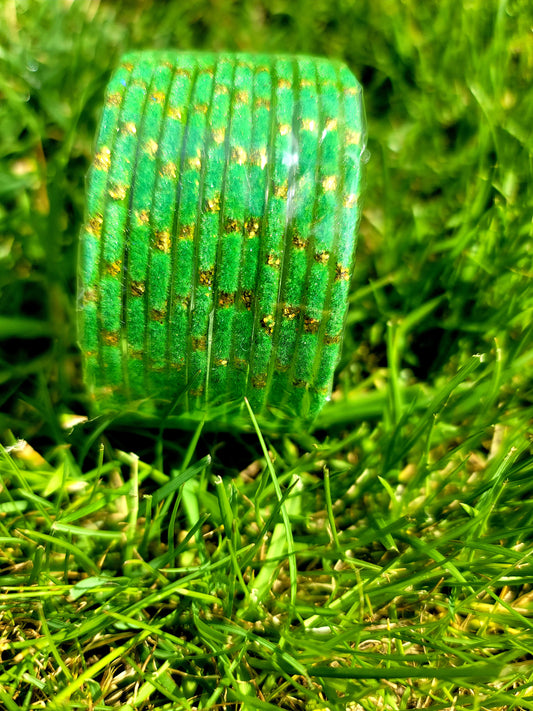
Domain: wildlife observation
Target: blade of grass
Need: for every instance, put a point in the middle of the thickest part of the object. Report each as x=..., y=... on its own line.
x=288, y=545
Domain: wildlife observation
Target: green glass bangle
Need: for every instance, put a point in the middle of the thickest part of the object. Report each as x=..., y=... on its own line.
x=219, y=240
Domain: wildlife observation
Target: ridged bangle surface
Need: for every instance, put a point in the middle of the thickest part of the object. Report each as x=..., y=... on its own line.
x=219, y=240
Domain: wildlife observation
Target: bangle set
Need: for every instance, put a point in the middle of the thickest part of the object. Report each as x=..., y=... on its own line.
x=219, y=239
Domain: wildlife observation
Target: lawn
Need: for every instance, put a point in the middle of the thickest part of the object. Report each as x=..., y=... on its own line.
x=382, y=560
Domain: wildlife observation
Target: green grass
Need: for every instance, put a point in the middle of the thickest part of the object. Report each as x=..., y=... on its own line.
x=382, y=561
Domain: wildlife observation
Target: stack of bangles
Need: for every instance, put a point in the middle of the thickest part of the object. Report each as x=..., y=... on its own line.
x=218, y=246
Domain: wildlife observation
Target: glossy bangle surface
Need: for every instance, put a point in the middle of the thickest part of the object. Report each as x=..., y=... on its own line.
x=219, y=240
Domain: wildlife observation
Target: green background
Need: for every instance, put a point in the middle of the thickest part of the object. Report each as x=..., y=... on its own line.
x=444, y=238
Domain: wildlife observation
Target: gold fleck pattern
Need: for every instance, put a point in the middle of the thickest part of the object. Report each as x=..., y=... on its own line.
x=118, y=192
x=267, y=324
x=94, y=225
x=206, y=276
x=90, y=295
x=151, y=147
x=331, y=340
x=137, y=288
x=322, y=257
x=186, y=232
x=102, y=160
x=242, y=97
x=272, y=260
x=329, y=183
x=259, y=158
x=311, y=325
x=308, y=125
x=110, y=338
x=350, y=200
x=168, y=170
x=128, y=66
x=352, y=91
x=201, y=108
x=221, y=89
x=174, y=112
x=284, y=129
x=219, y=135
x=213, y=204
x=341, y=273
x=290, y=312
x=221, y=361
x=226, y=299
x=199, y=343
x=298, y=241
x=143, y=217
x=261, y=102
x=195, y=162
x=239, y=155
x=158, y=315
x=247, y=297
x=114, y=268
x=259, y=381
x=182, y=301
x=162, y=240
x=158, y=97
x=114, y=99
x=280, y=191
x=231, y=225
x=299, y=383
x=130, y=128
x=284, y=84
x=353, y=138
x=252, y=227
x=331, y=124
